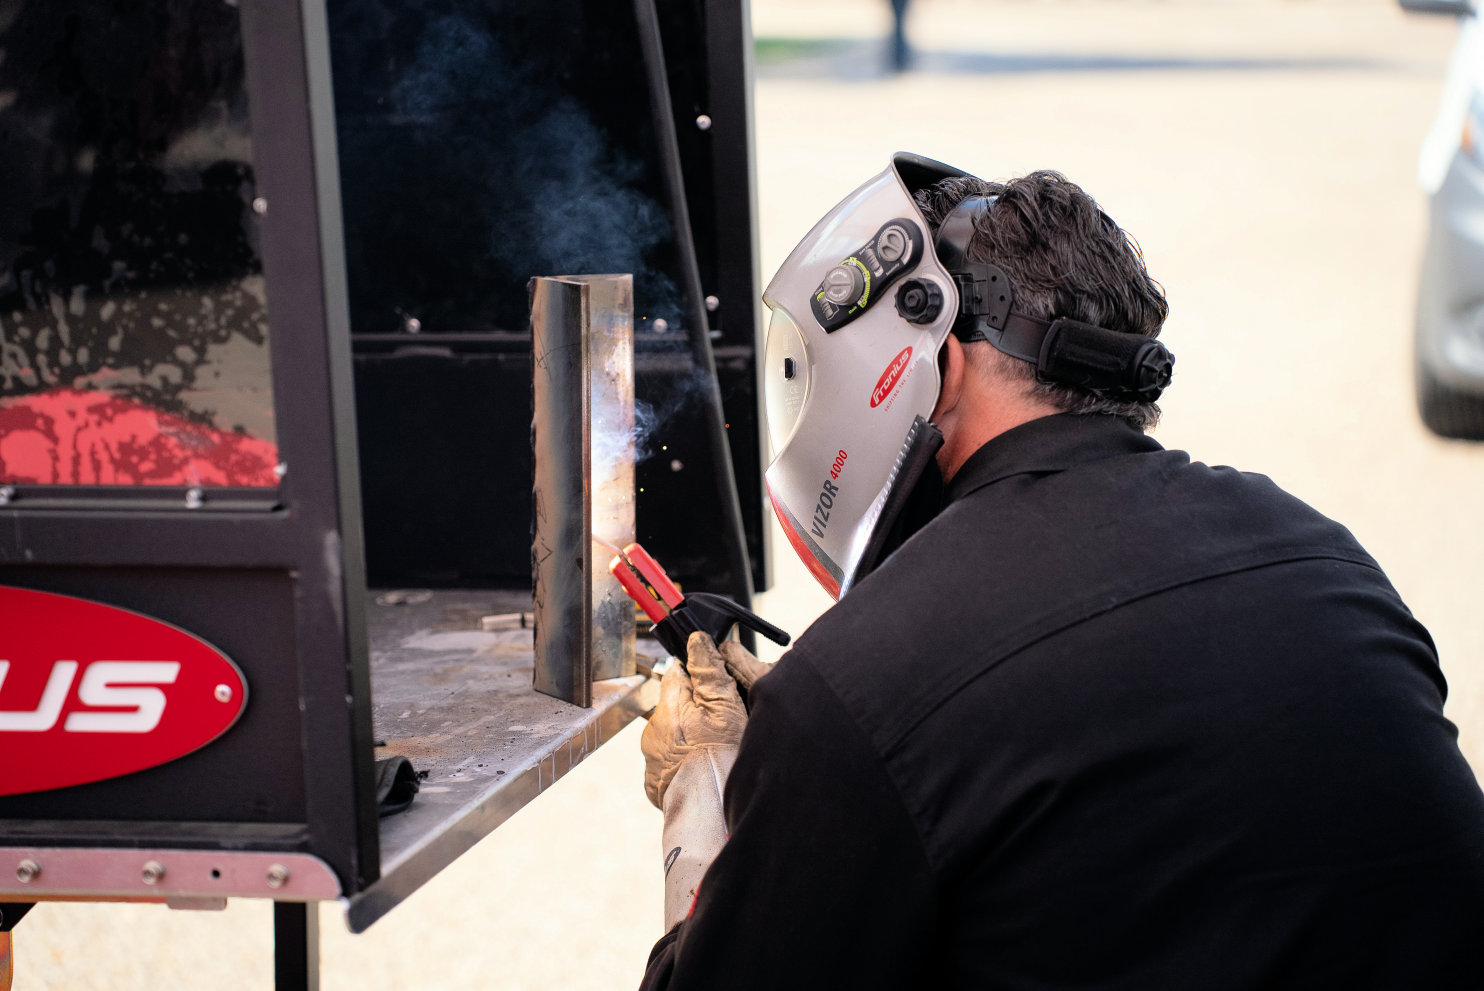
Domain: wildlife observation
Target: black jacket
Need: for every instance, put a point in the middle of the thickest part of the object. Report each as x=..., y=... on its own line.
x=1112, y=720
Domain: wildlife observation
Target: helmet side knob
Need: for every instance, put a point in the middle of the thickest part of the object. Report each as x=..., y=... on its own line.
x=919, y=301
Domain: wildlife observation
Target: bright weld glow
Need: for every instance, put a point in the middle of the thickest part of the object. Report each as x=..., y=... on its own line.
x=611, y=469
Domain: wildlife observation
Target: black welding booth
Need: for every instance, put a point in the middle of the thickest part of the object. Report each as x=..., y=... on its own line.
x=266, y=402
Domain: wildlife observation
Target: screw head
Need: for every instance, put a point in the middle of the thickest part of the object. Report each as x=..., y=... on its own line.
x=712, y=303
x=153, y=872
x=260, y=205
x=278, y=876
x=661, y=325
x=195, y=498
x=7, y=493
x=703, y=122
x=27, y=871
x=223, y=693
x=676, y=465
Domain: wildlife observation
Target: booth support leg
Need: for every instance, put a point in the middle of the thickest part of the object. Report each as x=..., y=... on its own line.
x=10, y=914
x=296, y=946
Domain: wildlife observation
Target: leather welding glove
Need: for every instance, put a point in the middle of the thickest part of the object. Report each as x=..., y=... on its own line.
x=689, y=747
x=742, y=666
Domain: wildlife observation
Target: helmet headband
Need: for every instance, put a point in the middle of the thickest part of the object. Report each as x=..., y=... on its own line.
x=1120, y=366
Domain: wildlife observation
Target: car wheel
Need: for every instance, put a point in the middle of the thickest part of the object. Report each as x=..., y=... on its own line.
x=1447, y=412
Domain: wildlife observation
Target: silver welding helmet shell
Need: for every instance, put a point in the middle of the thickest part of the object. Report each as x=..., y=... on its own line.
x=859, y=312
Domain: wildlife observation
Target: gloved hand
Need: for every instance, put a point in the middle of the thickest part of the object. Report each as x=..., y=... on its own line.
x=689, y=747
x=698, y=709
x=742, y=666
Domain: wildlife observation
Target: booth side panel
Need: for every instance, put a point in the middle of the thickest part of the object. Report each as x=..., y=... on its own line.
x=280, y=590
x=708, y=56
x=288, y=76
x=729, y=47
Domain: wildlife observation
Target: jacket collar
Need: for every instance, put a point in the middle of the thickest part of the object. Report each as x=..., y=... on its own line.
x=1049, y=444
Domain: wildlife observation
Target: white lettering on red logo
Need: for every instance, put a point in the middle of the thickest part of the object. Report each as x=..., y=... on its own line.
x=99, y=687
x=90, y=691
x=890, y=377
x=53, y=696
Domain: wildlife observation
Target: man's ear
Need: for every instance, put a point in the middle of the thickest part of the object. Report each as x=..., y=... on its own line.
x=951, y=371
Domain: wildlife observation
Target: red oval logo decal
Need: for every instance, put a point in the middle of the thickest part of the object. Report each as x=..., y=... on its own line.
x=890, y=377
x=89, y=692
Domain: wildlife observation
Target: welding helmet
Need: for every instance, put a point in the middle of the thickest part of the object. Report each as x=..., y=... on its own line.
x=859, y=312
x=850, y=378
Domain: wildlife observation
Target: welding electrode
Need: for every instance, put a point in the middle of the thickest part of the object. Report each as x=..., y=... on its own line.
x=606, y=545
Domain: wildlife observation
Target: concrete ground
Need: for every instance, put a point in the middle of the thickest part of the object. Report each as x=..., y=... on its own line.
x=1262, y=153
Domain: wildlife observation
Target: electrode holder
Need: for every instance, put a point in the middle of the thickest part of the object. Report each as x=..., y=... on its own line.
x=714, y=615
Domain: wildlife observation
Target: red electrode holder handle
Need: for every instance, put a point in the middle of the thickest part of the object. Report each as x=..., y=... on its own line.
x=675, y=616
x=653, y=608
x=651, y=571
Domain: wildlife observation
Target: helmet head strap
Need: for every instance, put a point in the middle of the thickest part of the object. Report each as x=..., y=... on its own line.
x=1117, y=365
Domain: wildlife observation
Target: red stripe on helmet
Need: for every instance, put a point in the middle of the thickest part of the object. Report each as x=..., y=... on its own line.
x=816, y=568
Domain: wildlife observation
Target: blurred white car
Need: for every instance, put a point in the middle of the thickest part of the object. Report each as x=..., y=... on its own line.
x=1450, y=294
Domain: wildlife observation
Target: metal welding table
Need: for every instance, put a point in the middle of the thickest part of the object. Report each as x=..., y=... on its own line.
x=457, y=702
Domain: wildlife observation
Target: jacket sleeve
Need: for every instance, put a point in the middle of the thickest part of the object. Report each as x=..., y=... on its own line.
x=823, y=881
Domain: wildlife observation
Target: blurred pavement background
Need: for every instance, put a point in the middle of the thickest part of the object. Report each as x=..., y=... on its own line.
x=1262, y=153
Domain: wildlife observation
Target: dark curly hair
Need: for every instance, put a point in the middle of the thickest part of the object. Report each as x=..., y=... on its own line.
x=1065, y=258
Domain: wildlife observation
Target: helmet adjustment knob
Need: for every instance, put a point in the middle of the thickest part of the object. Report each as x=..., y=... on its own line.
x=919, y=301
x=844, y=285
x=861, y=280
x=892, y=244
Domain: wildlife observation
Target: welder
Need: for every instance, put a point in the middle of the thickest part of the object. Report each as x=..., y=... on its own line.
x=1087, y=714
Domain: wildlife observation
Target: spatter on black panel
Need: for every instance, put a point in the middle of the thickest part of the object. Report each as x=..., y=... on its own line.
x=128, y=246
